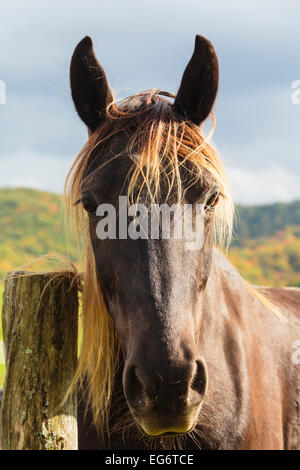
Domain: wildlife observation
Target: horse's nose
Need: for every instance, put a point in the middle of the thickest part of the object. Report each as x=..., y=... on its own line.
x=165, y=399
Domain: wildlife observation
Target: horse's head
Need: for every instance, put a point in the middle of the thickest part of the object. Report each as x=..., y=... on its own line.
x=151, y=152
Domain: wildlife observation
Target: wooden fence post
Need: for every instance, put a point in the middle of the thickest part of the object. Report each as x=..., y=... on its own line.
x=40, y=334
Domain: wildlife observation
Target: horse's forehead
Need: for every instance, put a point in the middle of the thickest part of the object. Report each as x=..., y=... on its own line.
x=111, y=166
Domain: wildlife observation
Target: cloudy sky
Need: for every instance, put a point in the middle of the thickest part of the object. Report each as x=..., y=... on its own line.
x=144, y=44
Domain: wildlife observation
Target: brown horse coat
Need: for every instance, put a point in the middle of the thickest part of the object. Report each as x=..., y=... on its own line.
x=206, y=363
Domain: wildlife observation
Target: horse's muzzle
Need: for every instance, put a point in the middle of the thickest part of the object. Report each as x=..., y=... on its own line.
x=166, y=402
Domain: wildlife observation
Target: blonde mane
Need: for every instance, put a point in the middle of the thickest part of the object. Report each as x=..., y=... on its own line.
x=165, y=144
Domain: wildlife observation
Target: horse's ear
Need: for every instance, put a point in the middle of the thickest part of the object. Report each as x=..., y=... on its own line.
x=199, y=84
x=90, y=91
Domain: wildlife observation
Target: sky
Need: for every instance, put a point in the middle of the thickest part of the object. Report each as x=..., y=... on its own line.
x=145, y=44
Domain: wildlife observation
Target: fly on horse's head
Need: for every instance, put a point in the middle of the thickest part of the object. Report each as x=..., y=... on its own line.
x=167, y=331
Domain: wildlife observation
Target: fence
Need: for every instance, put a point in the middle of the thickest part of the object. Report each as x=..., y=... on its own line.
x=39, y=318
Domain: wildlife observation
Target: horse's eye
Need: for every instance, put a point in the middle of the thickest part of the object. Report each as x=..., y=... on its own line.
x=89, y=204
x=212, y=200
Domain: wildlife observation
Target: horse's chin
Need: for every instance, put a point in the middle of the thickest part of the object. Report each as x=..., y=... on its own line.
x=163, y=432
x=169, y=434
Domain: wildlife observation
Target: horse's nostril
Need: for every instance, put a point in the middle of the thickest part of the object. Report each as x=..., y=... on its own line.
x=135, y=387
x=146, y=395
x=199, y=382
x=136, y=381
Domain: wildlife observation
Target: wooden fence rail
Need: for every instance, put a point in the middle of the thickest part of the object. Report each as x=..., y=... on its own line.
x=39, y=320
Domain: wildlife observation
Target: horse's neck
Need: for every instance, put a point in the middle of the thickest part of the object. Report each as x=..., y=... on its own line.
x=228, y=295
x=226, y=290
x=223, y=271
x=230, y=309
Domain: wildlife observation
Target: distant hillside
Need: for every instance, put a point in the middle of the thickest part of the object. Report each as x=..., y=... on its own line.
x=31, y=225
x=266, y=247
x=254, y=222
x=271, y=260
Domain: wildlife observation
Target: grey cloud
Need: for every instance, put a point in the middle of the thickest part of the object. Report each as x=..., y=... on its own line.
x=146, y=44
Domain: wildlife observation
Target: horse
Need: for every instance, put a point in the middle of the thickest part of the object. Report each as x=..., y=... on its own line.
x=178, y=350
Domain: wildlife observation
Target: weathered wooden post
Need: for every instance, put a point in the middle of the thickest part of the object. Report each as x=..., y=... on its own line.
x=40, y=334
